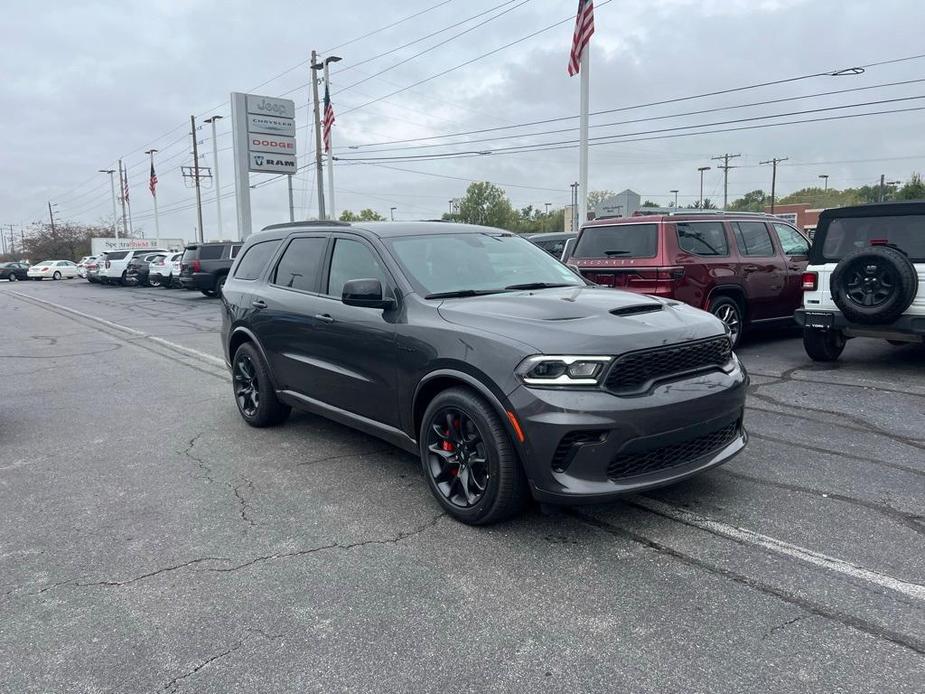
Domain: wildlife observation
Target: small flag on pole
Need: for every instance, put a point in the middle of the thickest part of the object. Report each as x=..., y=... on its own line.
x=152, y=181
x=328, y=119
x=125, y=186
x=584, y=29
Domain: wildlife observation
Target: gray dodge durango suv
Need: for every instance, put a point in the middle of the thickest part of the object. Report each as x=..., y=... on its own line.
x=507, y=373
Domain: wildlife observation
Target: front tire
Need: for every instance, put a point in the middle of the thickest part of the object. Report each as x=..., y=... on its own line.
x=253, y=390
x=56, y=276
x=220, y=285
x=14, y=278
x=469, y=460
x=823, y=345
x=728, y=310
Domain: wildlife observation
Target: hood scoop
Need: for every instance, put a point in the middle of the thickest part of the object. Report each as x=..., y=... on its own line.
x=637, y=309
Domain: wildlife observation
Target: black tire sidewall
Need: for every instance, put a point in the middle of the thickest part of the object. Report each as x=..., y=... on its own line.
x=719, y=301
x=502, y=459
x=269, y=410
x=823, y=345
x=887, y=312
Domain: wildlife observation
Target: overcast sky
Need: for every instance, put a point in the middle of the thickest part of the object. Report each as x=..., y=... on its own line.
x=85, y=83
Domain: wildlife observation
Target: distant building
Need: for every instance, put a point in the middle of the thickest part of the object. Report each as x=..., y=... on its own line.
x=621, y=205
x=801, y=215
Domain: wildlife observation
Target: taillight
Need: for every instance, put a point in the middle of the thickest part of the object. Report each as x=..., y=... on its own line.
x=810, y=281
x=108, y=264
x=196, y=266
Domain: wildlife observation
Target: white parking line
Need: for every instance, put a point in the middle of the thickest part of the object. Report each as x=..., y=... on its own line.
x=131, y=331
x=912, y=590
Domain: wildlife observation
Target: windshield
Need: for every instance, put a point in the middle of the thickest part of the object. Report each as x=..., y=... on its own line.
x=618, y=241
x=906, y=232
x=484, y=263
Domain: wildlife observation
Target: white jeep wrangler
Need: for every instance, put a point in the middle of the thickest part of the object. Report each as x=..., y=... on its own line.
x=866, y=267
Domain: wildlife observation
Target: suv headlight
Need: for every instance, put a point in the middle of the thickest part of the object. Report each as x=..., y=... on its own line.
x=547, y=370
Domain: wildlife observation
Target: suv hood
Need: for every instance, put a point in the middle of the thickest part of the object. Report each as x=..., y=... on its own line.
x=582, y=320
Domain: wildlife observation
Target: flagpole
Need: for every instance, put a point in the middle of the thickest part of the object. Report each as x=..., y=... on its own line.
x=122, y=198
x=327, y=91
x=583, y=139
x=157, y=221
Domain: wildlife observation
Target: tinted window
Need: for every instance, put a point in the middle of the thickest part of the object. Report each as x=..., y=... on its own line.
x=753, y=238
x=210, y=252
x=301, y=264
x=255, y=260
x=906, y=232
x=352, y=260
x=791, y=241
x=234, y=251
x=703, y=238
x=618, y=241
x=117, y=255
x=554, y=248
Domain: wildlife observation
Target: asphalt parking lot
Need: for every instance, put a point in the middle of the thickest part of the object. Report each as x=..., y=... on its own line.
x=151, y=541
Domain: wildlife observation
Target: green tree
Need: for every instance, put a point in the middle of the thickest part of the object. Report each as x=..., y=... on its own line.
x=914, y=189
x=487, y=204
x=750, y=202
x=649, y=203
x=366, y=215
x=596, y=197
x=707, y=205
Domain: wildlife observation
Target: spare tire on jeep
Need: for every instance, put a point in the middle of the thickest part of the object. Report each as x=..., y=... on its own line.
x=874, y=285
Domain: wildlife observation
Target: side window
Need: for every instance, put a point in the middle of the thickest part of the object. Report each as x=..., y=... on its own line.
x=703, y=238
x=791, y=241
x=301, y=264
x=753, y=239
x=234, y=251
x=253, y=262
x=211, y=252
x=352, y=260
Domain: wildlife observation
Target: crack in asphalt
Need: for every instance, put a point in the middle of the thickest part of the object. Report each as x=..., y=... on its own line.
x=109, y=348
x=400, y=537
x=784, y=625
x=807, y=605
x=788, y=377
x=150, y=574
x=175, y=683
x=242, y=501
x=188, y=452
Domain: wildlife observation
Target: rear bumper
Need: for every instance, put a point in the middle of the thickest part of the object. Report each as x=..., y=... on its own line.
x=835, y=320
x=676, y=431
x=198, y=280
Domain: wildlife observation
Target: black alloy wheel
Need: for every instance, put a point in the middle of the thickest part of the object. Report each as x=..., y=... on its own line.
x=468, y=459
x=871, y=285
x=253, y=390
x=458, y=457
x=729, y=311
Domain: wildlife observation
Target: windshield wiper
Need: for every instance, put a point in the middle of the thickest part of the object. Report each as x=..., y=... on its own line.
x=459, y=293
x=539, y=285
x=616, y=252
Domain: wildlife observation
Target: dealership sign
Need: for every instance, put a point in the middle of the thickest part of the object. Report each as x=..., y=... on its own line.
x=101, y=245
x=272, y=125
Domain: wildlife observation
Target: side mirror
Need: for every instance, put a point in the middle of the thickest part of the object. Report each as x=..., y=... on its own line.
x=569, y=249
x=366, y=293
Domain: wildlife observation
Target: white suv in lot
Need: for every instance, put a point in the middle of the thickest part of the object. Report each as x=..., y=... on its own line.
x=864, y=278
x=113, y=264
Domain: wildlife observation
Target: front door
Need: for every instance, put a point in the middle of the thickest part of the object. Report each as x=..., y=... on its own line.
x=354, y=348
x=795, y=248
x=763, y=270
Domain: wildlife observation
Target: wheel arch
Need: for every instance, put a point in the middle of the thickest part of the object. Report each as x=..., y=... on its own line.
x=731, y=291
x=241, y=335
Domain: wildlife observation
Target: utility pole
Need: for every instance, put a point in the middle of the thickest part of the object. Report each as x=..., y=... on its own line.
x=773, y=162
x=192, y=120
x=218, y=185
x=574, y=188
x=51, y=216
x=725, y=167
x=319, y=171
x=112, y=187
x=122, y=198
x=701, y=169
x=546, y=217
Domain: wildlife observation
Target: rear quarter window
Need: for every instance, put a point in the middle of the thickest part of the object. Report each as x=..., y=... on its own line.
x=116, y=255
x=703, y=238
x=211, y=252
x=618, y=241
x=255, y=260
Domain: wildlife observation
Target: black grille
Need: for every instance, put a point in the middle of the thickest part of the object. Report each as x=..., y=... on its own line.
x=632, y=464
x=635, y=372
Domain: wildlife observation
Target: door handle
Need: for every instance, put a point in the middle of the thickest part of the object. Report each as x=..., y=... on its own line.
x=750, y=268
x=259, y=303
x=324, y=317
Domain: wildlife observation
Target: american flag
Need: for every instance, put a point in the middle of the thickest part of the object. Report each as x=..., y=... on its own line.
x=584, y=29
x=152, y=181
x=328, y=119
x=125, y=186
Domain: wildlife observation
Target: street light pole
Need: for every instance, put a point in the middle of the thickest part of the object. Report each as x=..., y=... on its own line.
x=218, y=186
x=675, y=191
x=825, y=178
x=112, y=185
x=202, y=233
x=157, y=221
x=701, y=169
x=51, y=216
x=392, y=213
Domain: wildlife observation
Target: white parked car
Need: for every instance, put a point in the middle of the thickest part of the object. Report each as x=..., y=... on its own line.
x=113, y=264
x=165, y=270
x=53, y=269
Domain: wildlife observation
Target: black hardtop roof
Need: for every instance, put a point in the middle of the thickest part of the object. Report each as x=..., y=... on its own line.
x=378, y=229
x=876, y=209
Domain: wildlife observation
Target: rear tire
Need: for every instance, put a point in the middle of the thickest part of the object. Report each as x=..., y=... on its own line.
x=56, y=276
x=253, y=391
x=14, y=278
x=486, y=483
x=730, y=312
x=208, y=292
x=823, y=345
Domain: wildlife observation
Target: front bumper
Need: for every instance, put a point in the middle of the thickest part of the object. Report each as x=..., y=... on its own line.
x=835, y=320
x=673, y=425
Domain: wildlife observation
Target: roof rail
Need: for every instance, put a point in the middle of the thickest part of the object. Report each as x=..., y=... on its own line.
x=307, y=223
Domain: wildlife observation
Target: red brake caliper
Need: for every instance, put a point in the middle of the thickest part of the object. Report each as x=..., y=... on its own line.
x=449, y=448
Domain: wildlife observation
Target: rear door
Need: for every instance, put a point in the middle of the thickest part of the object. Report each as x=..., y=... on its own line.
x=795, y=248
x=763, y=271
